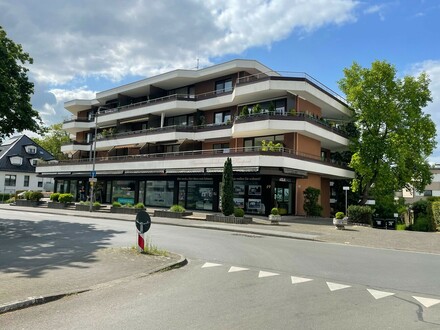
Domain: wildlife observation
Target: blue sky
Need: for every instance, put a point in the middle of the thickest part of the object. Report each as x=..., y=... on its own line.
x=81, y=47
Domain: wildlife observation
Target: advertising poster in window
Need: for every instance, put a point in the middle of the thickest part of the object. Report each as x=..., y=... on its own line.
x=254, y=190
x=238, y=189
x=239, y=202
x=254, y=204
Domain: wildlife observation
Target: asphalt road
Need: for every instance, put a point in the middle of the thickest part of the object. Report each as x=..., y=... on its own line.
x=274, y=283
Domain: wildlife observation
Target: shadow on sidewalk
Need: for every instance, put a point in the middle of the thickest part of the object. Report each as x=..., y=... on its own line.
x=33, y=248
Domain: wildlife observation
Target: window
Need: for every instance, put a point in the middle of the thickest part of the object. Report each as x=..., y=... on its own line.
x=16, y=160
x=26, y=181
x=34, y=162
x=223, y=86
x=172, y=148
x=222, y=117
x=40, y=184
x=427, y=193
x=221, y=147
x=31, y=149
x=10, y=180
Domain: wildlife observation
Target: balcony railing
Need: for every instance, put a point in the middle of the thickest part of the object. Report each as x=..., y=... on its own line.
x=259, y=150
x=76, y=119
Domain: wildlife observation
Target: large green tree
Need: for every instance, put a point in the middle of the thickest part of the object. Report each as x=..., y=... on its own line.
x=53, y=139
x=228, y=188
x=395, y=135
x=16, y=112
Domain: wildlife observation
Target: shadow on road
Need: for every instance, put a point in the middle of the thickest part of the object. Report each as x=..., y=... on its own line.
x=32, y=248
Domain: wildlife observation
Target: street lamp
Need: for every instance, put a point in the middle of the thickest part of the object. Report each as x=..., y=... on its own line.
x=93, y=179
x=346, y=188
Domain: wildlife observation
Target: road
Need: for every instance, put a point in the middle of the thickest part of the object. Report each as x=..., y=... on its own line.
x=243, y=281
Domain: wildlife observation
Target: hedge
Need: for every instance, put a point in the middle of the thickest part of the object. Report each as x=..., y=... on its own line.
x=360, y=214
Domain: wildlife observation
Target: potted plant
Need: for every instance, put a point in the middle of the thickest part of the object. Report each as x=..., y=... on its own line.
x=274, y=216
x=340, y=220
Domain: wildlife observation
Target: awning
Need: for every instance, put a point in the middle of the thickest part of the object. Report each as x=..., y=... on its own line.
x=186, y=170
x=157, y=171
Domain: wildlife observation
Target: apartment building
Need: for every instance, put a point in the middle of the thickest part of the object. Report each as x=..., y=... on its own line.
x=163, y=140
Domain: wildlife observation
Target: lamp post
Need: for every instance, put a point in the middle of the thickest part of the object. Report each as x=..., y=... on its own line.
x=93, y=179
x=346, y=188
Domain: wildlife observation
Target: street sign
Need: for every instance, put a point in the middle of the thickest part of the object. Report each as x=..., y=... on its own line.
x=143, y=222
x=93, y=179
x=93, y=174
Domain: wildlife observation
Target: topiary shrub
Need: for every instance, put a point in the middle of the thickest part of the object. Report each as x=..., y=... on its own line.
x=177, y=208
x=54, y=197
x=339, y=215
x=96, y=204
x=116, y=204
x=35, y=196
x=128, y=205
x=360, y=214
x=139, y=206
x=227, y=188
x=238, y=212
x=65, y=198
x=275, y=211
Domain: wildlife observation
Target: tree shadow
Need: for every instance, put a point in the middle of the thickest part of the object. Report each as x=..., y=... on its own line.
x=33, y=248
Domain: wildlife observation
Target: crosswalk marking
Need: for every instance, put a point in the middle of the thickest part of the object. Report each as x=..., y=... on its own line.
x=379, y=294
x=427, y=302
x=266, y=274
x=237, y=269
x=336, y=286
x=297, y=280
x=210, y=264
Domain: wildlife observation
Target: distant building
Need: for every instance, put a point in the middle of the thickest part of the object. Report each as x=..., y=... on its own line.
x=164, y=140
x=18, y=159
x=433, y=189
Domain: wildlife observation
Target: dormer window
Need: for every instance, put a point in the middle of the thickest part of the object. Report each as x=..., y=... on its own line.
x=32, y=150
x=33, y=161
x=16, y=160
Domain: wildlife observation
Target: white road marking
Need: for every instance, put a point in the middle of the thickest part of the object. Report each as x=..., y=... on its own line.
x=379, y=294
x=210, y=264
x=336, y=286
x=237, y=269
x=297, y=280
x=427, y=302
x=266, y=274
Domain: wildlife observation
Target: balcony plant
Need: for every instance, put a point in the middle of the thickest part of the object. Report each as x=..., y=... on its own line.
x=274, y=216
x=256, y=109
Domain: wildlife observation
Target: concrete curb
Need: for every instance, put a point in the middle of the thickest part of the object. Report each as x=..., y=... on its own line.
x=33, y=301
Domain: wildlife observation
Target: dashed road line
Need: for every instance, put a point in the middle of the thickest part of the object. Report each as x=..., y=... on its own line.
x=380, y=294
x=336, y=286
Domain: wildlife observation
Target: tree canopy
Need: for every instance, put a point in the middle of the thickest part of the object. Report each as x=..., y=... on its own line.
x=16, y=112
x=395, y=135
x=53, y=139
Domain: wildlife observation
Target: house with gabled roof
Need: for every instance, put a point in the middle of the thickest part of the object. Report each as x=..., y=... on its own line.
x=19, y=156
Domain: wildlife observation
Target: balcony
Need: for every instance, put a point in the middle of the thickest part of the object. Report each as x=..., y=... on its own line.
x=74, y=146
x=74, y=124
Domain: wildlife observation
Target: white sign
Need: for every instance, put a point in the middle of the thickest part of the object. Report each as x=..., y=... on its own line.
x=93, y=179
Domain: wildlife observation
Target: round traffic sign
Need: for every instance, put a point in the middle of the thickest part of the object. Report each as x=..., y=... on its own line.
x=143, y=222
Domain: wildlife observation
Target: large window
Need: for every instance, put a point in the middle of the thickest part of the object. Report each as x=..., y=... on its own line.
x=159, y=193
x=221, y=147
x=200, y=195
x=185, y=120
x=222, y=117
x=250, y=143
x=223, y=86
x=10, y=180
x=26, y=181
x=123, y=191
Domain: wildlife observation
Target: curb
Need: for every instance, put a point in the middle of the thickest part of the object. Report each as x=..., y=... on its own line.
x=33, y=301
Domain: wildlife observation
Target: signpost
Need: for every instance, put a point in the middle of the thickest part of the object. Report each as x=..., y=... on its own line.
x=143, y=223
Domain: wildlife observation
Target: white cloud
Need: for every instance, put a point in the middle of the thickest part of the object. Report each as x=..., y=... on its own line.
x=376, y=9
x=81, y=93
x=113, y=39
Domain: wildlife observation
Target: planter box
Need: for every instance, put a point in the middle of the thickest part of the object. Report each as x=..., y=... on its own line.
x=170, y=214
x=56, y=205
x=228, y=219
x=275, y=219
x=125, y=210
x=340, y=223
x=25, y=202
x=81, y=207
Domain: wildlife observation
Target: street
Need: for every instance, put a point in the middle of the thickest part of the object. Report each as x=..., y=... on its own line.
x=233, y=280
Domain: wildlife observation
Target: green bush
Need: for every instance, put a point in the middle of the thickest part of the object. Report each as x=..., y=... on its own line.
x=360, y=214
x=128, y=205
x=65, y=198
x=54, y=197
x=400, y=226
x=4, y=197
x=238, y=212
x=422, y=223
x=275, y=211
x=177, y=208
x=97, y=204
x=116, y=204
x=436, y=212
x=10, y=200
x=35, y=196
x=27, y=195
x=420, y=207
x=339, y=215
x=311, y=205
x=139, y=206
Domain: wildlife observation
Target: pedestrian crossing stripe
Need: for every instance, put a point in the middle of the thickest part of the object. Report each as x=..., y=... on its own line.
x=266, y=274
x=336, y=286
x=379, y=294
x=237, y=269
x=210, y=264
x=297, y=280
x=427, y=302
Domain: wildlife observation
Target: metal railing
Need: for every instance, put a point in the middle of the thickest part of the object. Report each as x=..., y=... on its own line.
x=265, y=150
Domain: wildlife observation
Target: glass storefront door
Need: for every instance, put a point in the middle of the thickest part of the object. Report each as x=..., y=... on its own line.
x=282, y=197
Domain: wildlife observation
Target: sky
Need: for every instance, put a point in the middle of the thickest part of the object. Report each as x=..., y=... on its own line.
x=81, y=47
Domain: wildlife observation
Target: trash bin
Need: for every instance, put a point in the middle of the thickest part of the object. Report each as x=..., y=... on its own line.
x=379, y=223
x=390, y=224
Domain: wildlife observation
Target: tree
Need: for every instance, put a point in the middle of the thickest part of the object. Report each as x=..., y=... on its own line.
x=16, y=113
x=228, y=188
x=395, y=136
x=53, y=140
x=311, y=205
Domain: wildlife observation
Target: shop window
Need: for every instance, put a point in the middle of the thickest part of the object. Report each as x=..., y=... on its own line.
x=159, y=193
x=123, y=191
x=200, y=195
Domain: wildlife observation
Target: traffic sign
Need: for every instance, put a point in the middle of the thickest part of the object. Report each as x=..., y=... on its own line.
x=93, y=179
x=143, y=222
x=93, y=174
